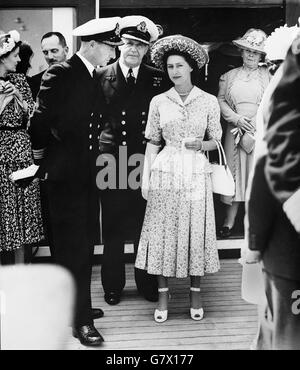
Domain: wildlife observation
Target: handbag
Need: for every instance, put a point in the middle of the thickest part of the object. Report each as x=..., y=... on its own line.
x=222, y=179
x=247, y=142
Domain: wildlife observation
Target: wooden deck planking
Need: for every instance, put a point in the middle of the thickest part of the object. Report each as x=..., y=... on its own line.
x=229, y=322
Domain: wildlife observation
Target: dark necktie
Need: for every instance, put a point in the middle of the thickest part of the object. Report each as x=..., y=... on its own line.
x=95, y=78
x=130, y=79
x=94, y=75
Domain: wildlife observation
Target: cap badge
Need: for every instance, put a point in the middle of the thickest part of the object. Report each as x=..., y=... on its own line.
x=117, y=29
x=142, y=27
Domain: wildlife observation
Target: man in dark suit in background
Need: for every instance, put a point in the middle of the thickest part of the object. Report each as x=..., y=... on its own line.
x=65, y=132
x=55, y=50
x=274, y=213
x=128, y=86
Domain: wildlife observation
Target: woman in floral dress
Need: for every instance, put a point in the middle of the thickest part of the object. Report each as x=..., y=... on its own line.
x=20, y=212
x=178, y=237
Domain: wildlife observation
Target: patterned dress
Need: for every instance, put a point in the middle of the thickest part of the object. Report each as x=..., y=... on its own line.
x=178, y=237
x=20, y=211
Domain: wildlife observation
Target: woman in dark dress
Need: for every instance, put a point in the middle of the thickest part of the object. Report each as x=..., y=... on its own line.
x=20, y=211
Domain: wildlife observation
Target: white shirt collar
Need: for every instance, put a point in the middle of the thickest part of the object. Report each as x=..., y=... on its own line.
x=88, y=65
x=125, y=69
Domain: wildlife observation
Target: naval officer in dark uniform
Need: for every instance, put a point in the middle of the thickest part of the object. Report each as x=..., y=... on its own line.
x=128, y=86
x=65, y=132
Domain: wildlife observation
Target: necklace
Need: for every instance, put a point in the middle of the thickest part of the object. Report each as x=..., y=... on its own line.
x=248, y=70
x=248, y=74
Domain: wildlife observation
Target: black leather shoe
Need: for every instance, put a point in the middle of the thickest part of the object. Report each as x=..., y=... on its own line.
x=112, y=298
x=225, y=232
x=88, y=335
x=97, y=313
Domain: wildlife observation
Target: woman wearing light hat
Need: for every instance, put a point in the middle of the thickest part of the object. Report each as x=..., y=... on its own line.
x=240, y=93
x=20, y=213
x=178, y=236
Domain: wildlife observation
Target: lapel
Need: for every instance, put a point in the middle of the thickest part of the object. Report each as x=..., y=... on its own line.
x=80, y=69
x=115, y=79
x=142, y=77
x=84, y=80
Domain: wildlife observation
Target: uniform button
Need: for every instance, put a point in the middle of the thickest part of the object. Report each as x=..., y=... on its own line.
x=98, y=137
x=124, y=133
x=90, y=136
x=123, y=122
x=143, y=132
x=144, y=142
x=91, y=147
x=100, y=115
x=91, y=125
x=98, y=126
x=124, y=143
x=123, y=113
x=143, y=122
x=143, y=113
x=92, y=114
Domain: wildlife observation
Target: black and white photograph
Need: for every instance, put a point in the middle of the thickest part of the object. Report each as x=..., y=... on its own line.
x=149, y=177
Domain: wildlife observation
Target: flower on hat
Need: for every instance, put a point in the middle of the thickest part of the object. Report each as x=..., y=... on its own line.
x=280, y=40
x=8, y=41
x=255, y=38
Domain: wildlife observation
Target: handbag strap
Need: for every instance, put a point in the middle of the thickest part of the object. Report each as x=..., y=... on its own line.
x=221, y=153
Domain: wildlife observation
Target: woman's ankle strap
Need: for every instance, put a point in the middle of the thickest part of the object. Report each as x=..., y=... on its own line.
x=195, y=289
x=162, y=290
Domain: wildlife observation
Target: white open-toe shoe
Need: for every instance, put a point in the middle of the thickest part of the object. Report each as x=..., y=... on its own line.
x=161, y=316
x=196, y=313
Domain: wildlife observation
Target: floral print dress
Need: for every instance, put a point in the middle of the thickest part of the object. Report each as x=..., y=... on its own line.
x=20, y=210
x=178, y=237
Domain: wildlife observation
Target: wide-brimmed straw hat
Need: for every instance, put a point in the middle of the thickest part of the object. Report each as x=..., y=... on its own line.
x=253, y=40
x=178, y=43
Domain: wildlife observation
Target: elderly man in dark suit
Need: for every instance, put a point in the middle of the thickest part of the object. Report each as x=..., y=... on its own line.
x=128, y=86
x=65, y=132
x=274, y=213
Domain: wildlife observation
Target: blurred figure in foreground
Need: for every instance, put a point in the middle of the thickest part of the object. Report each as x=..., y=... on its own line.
x=36, y=307
x=273, y=212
